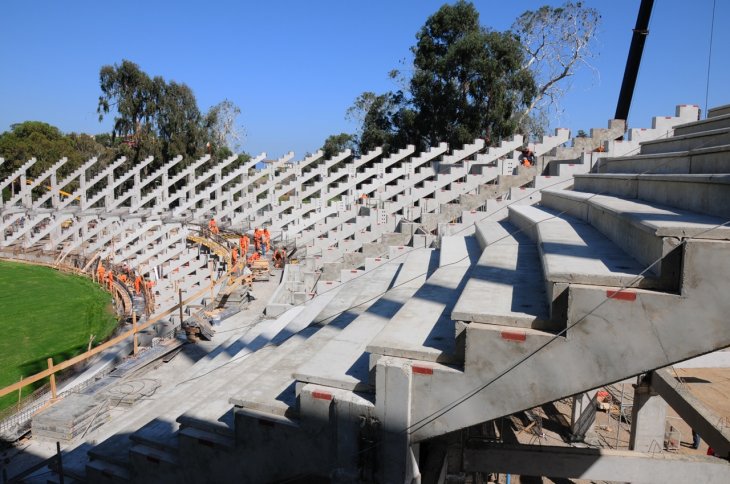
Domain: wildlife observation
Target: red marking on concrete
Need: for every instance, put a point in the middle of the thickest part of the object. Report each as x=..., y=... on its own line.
x=621, y=295
x=547, y=176
x=353, y=272
x=329, y=283
x=513, y=335
x=400, y=247
x=322, y=395
x=377, y=259
x=422, y=370
x=523, y=188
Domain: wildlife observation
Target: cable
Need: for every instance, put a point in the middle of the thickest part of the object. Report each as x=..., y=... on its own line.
x=709, y=55
x=232, y=360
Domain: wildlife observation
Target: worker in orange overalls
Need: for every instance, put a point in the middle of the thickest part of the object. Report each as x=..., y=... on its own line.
x=254, y=257
x=110, y=278
x=122, y=278
x=100, y=273
x=266, y=236
x=279, y=258
x=257, y=239
x=137, y=284
x=213, y=226
x=234, y=257
x=245, y=242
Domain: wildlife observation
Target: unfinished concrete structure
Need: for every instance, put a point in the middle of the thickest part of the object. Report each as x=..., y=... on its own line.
x=463, y=289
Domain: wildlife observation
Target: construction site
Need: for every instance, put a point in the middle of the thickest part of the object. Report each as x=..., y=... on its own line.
x=445, y=316
x=528, y=311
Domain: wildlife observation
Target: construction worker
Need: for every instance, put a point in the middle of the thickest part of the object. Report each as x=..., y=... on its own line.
x=137, y=284
x=266, y=237
x=254, y=257
x=279, y=255
x=257, y=239
x=110, y=278
x=122, y=278
x=100, y=273
x=213, y=226
x=234, y=257
x=245, y=242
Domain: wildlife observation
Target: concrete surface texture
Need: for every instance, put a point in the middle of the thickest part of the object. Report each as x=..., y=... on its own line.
x=426, y=305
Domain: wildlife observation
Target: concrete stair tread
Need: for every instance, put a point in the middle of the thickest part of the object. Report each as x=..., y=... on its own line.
x=719, y=178
x=154, y=454
x=223, y=424
x=506, y=285
x=710, y=123
x=660, y=220
x=342, y=362
x=157, y=433
x=209, y=438
x=109, y=470
x=114, y=450
x=273, y=390
x=574, y=252
x=422, y=329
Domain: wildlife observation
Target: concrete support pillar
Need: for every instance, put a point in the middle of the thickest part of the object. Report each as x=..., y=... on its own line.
x=648, y=418
x=583, y=415
x=109, y=191
x=136, y=190
x=55, y=195
x=393, y=408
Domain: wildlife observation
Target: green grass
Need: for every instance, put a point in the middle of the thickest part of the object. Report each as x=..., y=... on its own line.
x=45, y=313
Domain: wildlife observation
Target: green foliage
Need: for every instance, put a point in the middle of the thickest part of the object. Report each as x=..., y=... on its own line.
x=160, y=118
x=46, y=143
x=337, y=143
x=468, y=82
x=56, y=325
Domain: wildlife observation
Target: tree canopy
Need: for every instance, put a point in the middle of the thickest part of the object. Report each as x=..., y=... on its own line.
x=161, y=118
x=469, y=81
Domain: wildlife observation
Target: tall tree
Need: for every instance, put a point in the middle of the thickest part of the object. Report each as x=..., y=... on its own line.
x=556, y=42
x=225, y=133
x=468, y=81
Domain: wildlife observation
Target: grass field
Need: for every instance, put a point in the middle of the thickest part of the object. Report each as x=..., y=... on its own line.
x=45, y=313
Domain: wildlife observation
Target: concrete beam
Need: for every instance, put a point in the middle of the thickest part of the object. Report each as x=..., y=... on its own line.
x=595, y=464
x=703, y=420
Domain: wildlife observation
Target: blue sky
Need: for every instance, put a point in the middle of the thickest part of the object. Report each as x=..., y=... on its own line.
x=294, y=67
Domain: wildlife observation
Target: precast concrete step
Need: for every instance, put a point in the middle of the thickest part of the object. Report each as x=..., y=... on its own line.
x=574, y=252
x=343, y=362
x=699, y=193
x=554, y=182
x=273, y=390
x=105, y=472
x=703, y=139
x=422, y=329
x=151, y=464
x=506, y=286
x=158, y=433
x=709, y=124
x=646, y=231
x=718, y=111
x=210, y=457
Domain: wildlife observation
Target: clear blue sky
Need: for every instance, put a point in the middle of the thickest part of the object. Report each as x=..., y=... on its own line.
x=294, y=67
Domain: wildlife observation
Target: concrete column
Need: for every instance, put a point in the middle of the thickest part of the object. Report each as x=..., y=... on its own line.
x=109, y=190
x=648, y=418
x=393, y=408
x=583, y=415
